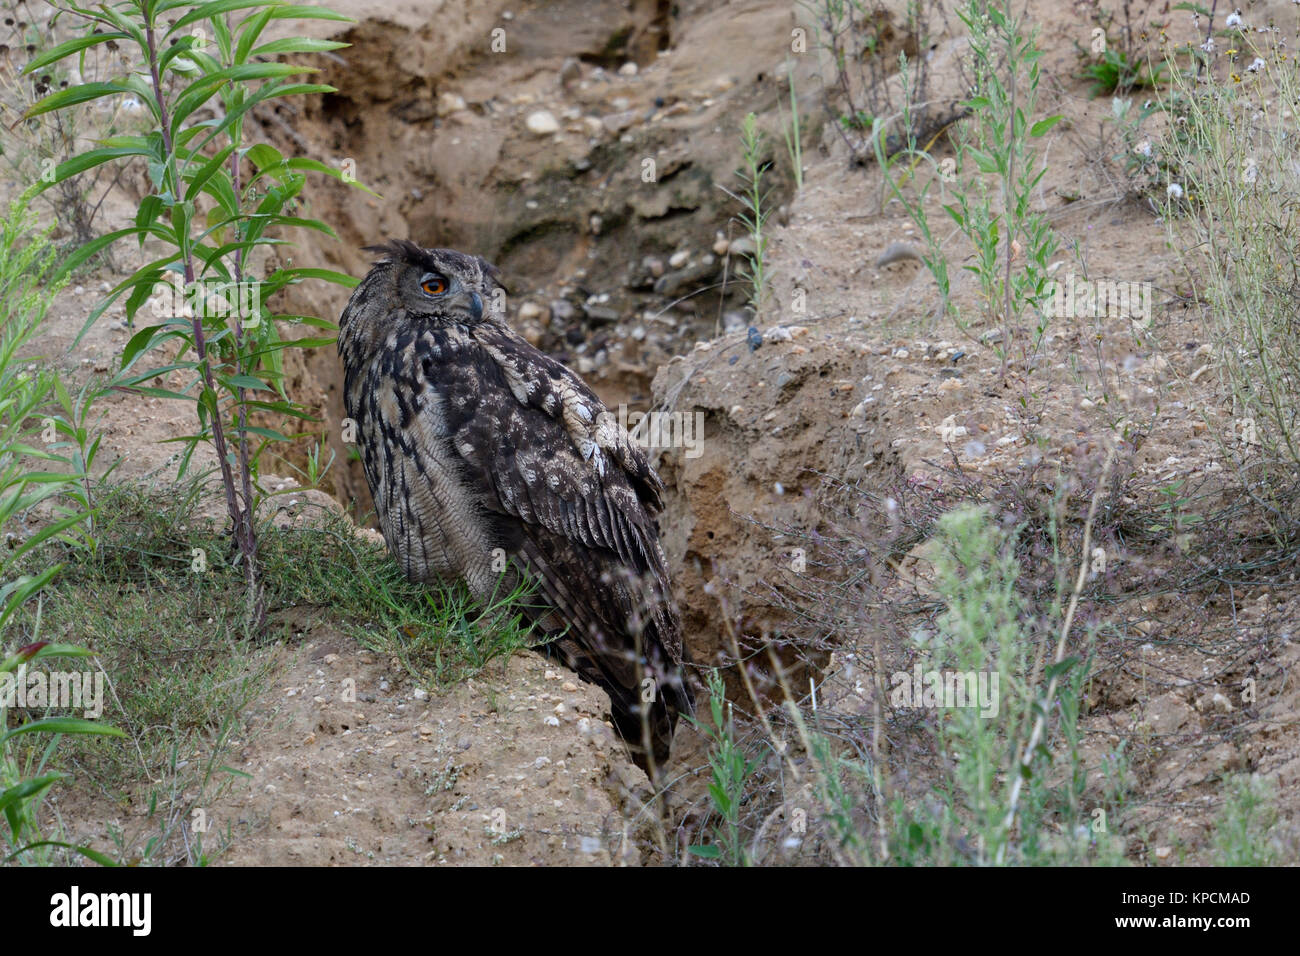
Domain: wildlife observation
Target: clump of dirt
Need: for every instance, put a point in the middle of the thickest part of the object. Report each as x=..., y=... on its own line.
x=514, y=767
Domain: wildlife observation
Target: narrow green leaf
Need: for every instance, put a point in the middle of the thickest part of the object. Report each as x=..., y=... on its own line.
x=56, y=53
x=298, y=45
x=72, y=96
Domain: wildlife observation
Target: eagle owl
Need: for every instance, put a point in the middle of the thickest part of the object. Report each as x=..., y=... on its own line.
x=478, y=447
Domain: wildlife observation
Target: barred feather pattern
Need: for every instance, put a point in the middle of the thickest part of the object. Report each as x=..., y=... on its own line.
x=477, y=445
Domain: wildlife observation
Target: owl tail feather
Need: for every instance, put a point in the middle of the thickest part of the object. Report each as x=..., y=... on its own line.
x=644, y=711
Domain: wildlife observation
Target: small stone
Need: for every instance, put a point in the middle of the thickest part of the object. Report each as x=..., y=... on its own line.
x=529, y=311
x=542, y=123
x=618, y=122
x=679, y=259
x=734, y=320
x=948, y=430
x=654, y=266
x=602, y=313
x=570, y=71
x=1164, y=852
x=777, y=333
x=720, y=244
x=449, y=103
x=420, y=693
x=628, y=69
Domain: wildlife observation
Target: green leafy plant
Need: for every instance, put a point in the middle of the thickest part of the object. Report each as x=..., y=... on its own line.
x=731, y=768
x=754, y=198
x=29, y=427
x=217, y=206
x=23, y=787
x=42, y=507
x=1115, y=73
x=43, y=141
x=1013, y=245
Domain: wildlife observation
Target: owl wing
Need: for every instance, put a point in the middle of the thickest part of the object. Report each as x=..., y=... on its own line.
x=575, y=500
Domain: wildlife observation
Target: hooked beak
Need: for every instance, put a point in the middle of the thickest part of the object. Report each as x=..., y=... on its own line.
x=476, y=306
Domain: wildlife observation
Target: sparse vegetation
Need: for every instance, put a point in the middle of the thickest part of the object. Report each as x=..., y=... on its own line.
x=45, y=507
x=1232, y=216
x=172, y=639
x=860, y=44
x=731, y=768
x=1243, y=836
x=754, y=197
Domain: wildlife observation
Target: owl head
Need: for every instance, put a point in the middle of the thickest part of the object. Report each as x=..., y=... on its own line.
x=410, y=286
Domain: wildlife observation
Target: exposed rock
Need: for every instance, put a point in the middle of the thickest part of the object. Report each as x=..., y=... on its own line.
x=449, y=103
x=542, y=123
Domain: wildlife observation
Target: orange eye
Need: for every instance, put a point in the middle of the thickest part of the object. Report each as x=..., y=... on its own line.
x=434, y=285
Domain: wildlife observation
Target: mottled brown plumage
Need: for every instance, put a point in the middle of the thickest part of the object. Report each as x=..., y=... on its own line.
x=478, y=446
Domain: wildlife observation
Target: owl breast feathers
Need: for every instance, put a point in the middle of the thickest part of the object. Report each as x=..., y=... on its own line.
x=478, y=447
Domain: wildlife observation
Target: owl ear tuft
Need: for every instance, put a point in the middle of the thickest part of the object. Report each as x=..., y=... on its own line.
x=397, y=249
